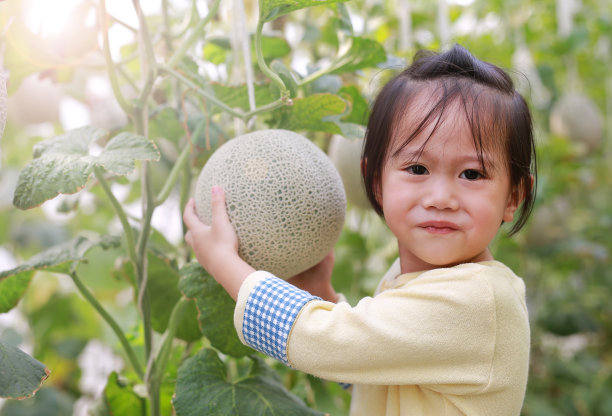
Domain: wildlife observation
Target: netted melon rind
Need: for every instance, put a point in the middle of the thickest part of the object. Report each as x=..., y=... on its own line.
x=284, y=197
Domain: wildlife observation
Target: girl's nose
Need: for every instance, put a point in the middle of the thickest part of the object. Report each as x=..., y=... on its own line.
x=441, y=194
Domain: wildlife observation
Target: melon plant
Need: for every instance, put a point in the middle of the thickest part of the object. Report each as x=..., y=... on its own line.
x=182, y=354
x=346, y=156
x=284, y=198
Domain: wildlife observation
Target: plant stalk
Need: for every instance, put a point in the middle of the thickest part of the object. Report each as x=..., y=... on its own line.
x=110, y=321
x=166, y=348
x=240, y=114
x=193, y=36
x=264, y=67
x=112, y=75
x=173, y=176
x=127, y=229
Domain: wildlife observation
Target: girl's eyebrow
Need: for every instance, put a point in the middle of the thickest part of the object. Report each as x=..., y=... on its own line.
x=415, y=155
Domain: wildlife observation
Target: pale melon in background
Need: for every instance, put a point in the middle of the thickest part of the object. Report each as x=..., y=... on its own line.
x=37, y=100
x=577, y=117
x=346, y=156
x=284, y=197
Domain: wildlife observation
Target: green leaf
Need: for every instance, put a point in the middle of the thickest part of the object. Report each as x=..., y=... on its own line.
x=216, y=309
x=239, y=97
x=271, y=9
x=215, y=53
x=63, y=164
x=12, y=288
x=310, y=113
x=203, y=388
x=59, y=259
x=272, y=47
x=47, y=401
x=205, y=133
x=119, y=399
x=363, y=53
x=20, y=375
x=163, y=292
x=286, y=76
x=166, y=124
x=360, y=108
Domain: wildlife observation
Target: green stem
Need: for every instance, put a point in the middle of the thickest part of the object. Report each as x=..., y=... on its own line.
x=193, y=36
x=264, y=67
x=166, y=348
x=109, y=320
x=173, y=176
x=127, y=229
x=103, y=16
x=239, y=114
x=314, y=76
x=145, y=39
x=201, y=91
x=268, y=107
x=167, y=35
x=140, y=122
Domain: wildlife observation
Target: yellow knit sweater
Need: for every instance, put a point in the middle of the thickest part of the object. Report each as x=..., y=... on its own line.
x=451, y=341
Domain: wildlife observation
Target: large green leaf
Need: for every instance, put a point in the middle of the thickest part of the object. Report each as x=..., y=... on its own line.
x=216, y=309
x=203, y=388
x=163, y=292
x=63, y=164
x=20, y=375
x=309, y=113
x=363, y=53
x=59, y=259
x=271, y=9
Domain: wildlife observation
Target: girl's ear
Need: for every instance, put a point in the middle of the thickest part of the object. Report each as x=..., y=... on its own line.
x=516, y=198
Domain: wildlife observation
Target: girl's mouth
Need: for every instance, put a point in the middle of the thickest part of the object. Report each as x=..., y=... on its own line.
x=439, y=227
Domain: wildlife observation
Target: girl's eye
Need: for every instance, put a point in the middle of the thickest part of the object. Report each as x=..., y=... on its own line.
x=417, y=169
x=471, y=175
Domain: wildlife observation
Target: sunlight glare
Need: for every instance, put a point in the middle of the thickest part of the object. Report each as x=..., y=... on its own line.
x=48, y=18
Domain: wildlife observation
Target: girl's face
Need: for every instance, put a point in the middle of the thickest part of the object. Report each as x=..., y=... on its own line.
x=437, y=200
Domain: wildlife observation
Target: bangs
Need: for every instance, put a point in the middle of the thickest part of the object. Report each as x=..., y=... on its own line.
x=427, y=104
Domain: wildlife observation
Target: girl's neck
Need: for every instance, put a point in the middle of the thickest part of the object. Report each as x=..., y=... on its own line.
x=409, y=263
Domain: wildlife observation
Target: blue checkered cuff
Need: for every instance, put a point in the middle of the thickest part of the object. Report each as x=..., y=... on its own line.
x=271, y=309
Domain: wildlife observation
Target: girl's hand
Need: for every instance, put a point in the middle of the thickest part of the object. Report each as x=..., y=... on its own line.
x=216, y=245
x=317, y=279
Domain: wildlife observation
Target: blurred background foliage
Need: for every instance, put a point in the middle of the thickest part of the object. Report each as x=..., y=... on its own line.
x=560, y=55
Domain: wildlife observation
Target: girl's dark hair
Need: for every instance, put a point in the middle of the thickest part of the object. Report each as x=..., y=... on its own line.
x=497, y=114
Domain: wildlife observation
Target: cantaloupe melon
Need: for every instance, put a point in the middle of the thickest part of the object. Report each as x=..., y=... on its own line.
x=577, y=117
x=284, y=197
x=346, y=156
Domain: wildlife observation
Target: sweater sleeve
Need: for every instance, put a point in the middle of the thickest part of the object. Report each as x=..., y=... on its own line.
x=437, y=329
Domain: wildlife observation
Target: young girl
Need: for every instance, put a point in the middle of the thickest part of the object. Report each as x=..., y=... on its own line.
x=447, y=160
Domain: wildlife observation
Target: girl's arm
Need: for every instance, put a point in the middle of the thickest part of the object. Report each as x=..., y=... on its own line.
x=216, y=249
x=317, y=280
x=216, y=246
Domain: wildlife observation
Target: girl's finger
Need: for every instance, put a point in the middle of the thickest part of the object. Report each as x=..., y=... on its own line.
x=190, y=215
x=189, y=238
x=219, y=211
